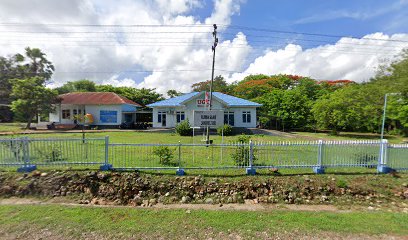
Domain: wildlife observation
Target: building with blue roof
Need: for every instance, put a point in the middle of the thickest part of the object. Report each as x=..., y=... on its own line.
x=238, y=112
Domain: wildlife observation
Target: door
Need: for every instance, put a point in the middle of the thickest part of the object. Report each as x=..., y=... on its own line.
x=163, y=120
x=128, y=117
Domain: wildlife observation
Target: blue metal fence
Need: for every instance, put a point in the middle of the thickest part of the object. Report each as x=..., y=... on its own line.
x=27, y=154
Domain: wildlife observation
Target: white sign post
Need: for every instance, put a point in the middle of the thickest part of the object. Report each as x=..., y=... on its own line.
x=210, y=118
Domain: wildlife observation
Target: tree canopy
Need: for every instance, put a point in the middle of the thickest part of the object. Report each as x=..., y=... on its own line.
x=32, y=64
x=83, y=85
x=219, y=85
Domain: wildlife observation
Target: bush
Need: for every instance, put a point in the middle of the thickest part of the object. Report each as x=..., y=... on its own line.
x=165, y=154
x=184, y=128
x=341, y=184
x=241, y=155
x=366, y=159
x=51, y=154
x=228, y=131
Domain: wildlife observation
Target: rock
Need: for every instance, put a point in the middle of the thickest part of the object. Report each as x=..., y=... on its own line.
x=152, y=202
x=44, y=174
x=94, y=201
x=324, y=198
x=167, y=194
x=137, y=200
x=6, y=189
x=370, y=208
x=145, y=203
x=237, y=198
x=185, y=199
x=209, y=201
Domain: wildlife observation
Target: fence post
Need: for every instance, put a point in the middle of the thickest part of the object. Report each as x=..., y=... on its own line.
x=106, y=166
x=27, y=167
x=251, y=170
x=382, y=158
x=180, y=171
x=319, y=169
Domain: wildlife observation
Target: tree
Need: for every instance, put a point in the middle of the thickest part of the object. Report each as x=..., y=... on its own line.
x=32, y=64
x=37, y=66
x=394, y=79
x=32, y=98
x=352, y=108
x=219, y=85
x=142, y=96
x=83, y=85
x=291, y=107
x=173, y=93
x=254, y=86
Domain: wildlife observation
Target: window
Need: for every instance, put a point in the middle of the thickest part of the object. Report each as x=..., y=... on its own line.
x=66, y=114
x=76, y=112
x=180, y=117
x=246, y=117
x=160, y=116
x=229, y=118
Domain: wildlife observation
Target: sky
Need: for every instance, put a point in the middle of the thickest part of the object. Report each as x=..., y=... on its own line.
x=166, y=44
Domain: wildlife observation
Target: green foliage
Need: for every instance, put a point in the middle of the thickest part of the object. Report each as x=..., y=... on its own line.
x=351, y=108
x=32, y=64
x=219, y=85
x=341, y=183
x=184, y=128
x=32, y=98
x=164, y=153
x=77, y=86
x=366, y=159
x=241, y=155
x=51, y=154
x=142, y=96
x=291, y=107
x=243, y=138
x=173, y=93
x=226, y=129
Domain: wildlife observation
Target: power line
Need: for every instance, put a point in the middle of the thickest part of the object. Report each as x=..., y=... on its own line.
x=237, y=27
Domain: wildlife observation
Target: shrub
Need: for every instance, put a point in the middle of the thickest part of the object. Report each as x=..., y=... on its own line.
x=244, y=138
x=184, y=128
x=341, y=184
x=164, y=153
x=366, y=159
x=225, y=129
x=51, y=154
x=241, y=154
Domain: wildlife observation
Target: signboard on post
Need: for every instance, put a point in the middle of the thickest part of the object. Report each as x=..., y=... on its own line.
x=211, y=119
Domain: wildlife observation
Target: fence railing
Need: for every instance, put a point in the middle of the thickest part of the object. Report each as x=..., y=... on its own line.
x=27, y=154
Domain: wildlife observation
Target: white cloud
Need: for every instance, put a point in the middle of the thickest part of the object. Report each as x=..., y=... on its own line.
x=349, y=58
x=106, y=57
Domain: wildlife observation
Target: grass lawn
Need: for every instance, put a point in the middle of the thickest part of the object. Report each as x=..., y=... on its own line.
x=11, y=127
x=351, y=135
x=75, y=222
x=149, y=137
x=92, y=152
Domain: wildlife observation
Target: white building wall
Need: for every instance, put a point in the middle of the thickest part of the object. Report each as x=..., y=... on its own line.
x=95, y=111
x=238, y=111
x=191, y=106
x=55, y=116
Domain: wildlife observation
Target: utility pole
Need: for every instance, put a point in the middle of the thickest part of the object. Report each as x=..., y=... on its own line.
x=384, y=112
x=212, y=76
